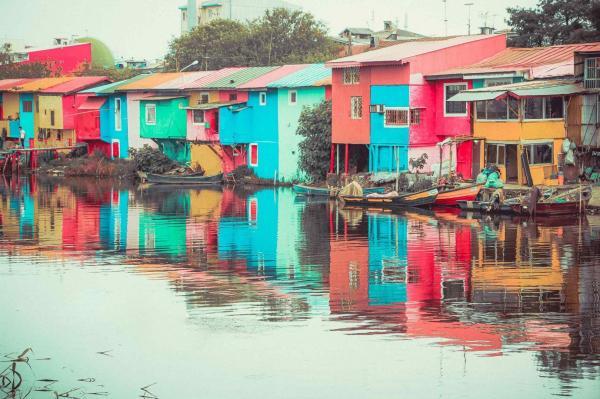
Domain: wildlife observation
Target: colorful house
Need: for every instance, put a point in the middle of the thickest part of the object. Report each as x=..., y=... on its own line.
x=265, y=125
x=385, y=112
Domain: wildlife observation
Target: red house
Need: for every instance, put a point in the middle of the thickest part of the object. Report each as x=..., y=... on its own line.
x=385, y=111
x=62, y=60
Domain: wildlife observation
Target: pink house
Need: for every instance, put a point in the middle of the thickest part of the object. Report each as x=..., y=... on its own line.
x=385, y=111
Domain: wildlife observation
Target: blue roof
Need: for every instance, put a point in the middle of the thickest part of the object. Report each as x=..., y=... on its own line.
x=312, y=75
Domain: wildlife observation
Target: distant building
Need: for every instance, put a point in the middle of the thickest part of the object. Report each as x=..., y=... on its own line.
x=359, y=40
x=201, y=12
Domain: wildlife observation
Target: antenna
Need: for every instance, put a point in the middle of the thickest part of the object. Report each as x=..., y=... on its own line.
x=469, y=5
x=445, y=17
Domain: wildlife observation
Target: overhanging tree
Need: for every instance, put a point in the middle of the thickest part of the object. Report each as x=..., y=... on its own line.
x=315, y=126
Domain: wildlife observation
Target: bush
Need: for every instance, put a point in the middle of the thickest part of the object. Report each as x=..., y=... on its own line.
x=151, y=160
x=315, y=126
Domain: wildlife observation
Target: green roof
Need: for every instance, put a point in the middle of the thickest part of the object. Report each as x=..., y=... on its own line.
x=238, y=78
x=111, y=88
x=312, y=75
x=101, y=55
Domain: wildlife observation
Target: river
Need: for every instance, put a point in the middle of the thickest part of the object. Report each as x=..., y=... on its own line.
x=128, y=292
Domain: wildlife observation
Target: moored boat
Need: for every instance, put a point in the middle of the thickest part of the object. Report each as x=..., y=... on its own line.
x=183, y=179
x=451, y=197
x=330, y=192
x=553, y=208
x=420, y=199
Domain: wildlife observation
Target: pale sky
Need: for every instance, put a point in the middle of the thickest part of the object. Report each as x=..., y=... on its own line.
x=143, y=28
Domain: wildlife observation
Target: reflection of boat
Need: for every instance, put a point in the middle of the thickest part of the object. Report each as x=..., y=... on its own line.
x=422, y=198
x=330, y=192
x=178, y=179
x=451, y=197
x=483, y=206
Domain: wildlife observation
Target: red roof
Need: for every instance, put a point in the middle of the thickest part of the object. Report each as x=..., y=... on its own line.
x=76, y=84
x=213, y=77
x=270, y=77
x=539, y=61
x=93, y=103
x=401, y=52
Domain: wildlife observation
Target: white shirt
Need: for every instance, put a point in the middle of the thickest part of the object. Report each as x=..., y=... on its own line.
x=22, y=133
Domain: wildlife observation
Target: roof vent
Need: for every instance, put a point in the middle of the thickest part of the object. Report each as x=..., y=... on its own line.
x=232, y=81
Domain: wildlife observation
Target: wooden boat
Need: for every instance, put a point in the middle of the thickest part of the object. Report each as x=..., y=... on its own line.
x=553, y=208
x=451, y=197
x=327, y=192
x=420, y=199
x=187, y=180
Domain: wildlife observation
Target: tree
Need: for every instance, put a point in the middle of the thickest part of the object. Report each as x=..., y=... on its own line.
x=278, y=37
x=315, y=126
x=114, y=74
x=554, y=22
x=9, y=69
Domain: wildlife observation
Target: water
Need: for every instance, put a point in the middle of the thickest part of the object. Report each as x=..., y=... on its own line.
x=229, y=294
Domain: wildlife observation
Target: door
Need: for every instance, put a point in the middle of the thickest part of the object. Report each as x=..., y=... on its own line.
x=117, y=114
x=476, y=158
x=512, y=166
x=115, y=149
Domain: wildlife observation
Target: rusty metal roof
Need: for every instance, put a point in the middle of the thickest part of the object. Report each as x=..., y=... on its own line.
x=76, y=84
x=401, y=52
x=36, y=85
x=8, y=83
x=150, y=82
x=183, y=80
x=538, y=62
x=214, y=76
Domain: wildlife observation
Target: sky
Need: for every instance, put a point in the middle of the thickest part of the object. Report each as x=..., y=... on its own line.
x=144, y=28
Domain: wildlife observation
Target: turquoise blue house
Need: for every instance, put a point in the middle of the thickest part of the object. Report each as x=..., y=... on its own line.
x=26, y=118
x=266, y=123
x=389, y=139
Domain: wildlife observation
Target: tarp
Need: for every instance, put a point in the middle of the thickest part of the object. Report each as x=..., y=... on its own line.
x=476, y=96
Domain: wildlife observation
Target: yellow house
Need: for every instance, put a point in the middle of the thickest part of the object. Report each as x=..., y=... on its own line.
x=522, y=120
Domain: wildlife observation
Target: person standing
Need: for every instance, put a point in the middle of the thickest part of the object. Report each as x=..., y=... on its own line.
x=22, y=135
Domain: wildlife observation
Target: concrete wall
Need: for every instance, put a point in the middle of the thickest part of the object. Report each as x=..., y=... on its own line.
x=208, y=156
x=133, y=122
x=47, y=105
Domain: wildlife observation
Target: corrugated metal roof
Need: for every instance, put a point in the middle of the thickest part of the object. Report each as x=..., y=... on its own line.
x=270, y=77
x=159, y=98
x=212, y=105
x=113, y=87
x=524, y=89
x=216, y=75
x=8, y=83
x=35, y=85
x=400, y=52
x=540, y=62
x=313, y=75
x=183, y=81
x=238, y=78
x=93, y=103
x=150, y=81
x=75, y=84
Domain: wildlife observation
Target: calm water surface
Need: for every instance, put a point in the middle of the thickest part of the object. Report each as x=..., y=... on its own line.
x=261, y=294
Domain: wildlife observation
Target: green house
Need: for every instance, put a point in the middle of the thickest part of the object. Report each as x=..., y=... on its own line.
x=163, y=120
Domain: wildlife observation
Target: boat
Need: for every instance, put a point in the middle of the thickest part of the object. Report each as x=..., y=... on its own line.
x=451, y=197
x=570, y=202
x=330, y=192
x=184, y=179
x=420, y=199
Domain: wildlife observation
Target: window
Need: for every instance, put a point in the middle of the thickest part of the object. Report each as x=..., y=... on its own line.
x=203, y=98
x=544, y=108
x=539, y=153
x=415, y=117
x=356, y=107
x=502, y=109
x=253, y=154
x=351, y=76
x=293, y=97
x=396, y=117
x=150, y=114
x=262, y=98
x=495, y=154
x=233, y=97
x=27, y=106
x=591, y=73
x=197, y=116
x=52, y=118
x=117, y=114
x=454, y=108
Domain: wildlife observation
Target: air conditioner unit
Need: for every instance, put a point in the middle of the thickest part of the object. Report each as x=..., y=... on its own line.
x=377, y=108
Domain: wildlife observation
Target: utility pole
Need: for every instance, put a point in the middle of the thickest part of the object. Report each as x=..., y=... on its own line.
x=469, y=5
x=445, y=17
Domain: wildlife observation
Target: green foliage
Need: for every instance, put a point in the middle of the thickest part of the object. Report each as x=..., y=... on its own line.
x=151, y=160
x=113, y=73
x=418, y=164
x=279, y=37
x=554, y=22
x=11, y=70
x=315, y=126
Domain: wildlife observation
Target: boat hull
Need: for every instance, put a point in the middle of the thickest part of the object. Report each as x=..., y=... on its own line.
x=451, y=197
x=186, y=180
x=420, y=199
x=553, y=209
x=325, y=192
